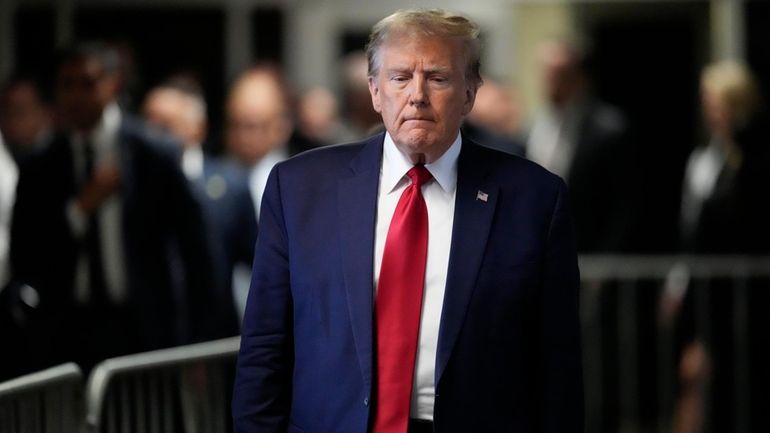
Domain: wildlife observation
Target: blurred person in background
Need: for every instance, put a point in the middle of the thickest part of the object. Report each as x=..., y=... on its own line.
x=359, y=118
x=496, y=118
x=259, y=125
x=106, y=228
x=583, y=140
x=258, y=131
x=318, y=122
x=9, y=333
x=178, y=107
x=719, y=209
x=9, y=175
x=723, y=212
x=26, y=120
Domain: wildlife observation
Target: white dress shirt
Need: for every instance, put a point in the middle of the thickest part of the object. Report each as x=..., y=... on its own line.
x=703, y=170
x=553, y=138
x=439, y=195
x=261, y=171
x=9, y=175
x=105, y=141
x=192, y=163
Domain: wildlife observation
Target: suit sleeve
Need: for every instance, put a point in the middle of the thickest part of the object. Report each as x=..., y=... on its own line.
x=562, y=405
x=195, y=251
x=247, y=225
x=262, y=391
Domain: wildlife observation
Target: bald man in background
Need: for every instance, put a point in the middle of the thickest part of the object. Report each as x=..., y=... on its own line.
x=178, y=107
x=259, y=125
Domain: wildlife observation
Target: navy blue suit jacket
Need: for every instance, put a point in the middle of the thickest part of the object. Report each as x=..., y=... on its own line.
x=508, y=352
x=224, y=194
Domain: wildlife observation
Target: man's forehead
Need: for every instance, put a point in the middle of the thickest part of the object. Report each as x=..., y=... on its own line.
x=403, y=52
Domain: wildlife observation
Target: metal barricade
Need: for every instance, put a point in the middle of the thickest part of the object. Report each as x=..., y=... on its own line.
x=185, y=388
x=632, y=343
x=47, y=401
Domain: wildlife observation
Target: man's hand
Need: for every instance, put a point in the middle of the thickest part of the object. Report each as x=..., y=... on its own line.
x=102, y=185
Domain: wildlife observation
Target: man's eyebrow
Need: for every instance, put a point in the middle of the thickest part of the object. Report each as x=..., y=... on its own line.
x=398, y=69
x=438, y=70
x=428, y=70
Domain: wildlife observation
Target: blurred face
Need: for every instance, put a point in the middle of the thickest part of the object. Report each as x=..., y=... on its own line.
x=422, y=94
x=83, y=90
x=561, y=76
x=23, y=116
x=257, y=120
x=317, y=114
x=716, y=113
x=496, y=109
x=177, y=113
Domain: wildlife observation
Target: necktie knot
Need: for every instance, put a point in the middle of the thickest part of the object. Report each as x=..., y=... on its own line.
x=419, y=175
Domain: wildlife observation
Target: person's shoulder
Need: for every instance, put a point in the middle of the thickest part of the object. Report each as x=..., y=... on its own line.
x=508, y=168
x=327, y=159
x=144, y=137
x=215, y=167
x=46, y=159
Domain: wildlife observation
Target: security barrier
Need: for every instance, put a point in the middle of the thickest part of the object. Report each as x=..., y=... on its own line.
x=632, y=309
x=50, y=401
x=639, y=312
x=179, y=389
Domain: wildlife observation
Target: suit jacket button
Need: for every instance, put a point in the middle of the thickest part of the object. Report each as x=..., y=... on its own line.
x=366, y=402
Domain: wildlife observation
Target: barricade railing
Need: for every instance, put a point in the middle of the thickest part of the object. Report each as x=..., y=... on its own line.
x=49, y=401
x=630, y=344
x=178, y=389
x=632, y=315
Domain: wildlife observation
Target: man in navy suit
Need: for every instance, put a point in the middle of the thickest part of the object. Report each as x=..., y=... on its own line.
x=106, y=228
x=415, y=281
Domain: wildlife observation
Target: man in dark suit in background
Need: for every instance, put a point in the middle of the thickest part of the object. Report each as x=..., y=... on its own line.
x=106, y=228
x=178, y=107
x=584, y=140
x=415, y=281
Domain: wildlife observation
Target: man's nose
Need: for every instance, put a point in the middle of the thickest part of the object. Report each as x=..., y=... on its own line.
x=419, y=94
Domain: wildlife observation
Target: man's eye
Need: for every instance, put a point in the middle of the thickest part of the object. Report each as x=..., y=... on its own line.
x=400, y=78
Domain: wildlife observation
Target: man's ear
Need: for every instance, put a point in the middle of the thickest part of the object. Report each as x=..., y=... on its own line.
x=470, y=99
x=375, y=92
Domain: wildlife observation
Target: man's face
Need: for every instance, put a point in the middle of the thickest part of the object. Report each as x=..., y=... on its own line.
x=23, y=116
x=257, y=121
x=83, y=90
x=561, y=75
x=422, y=94
x=716, y=113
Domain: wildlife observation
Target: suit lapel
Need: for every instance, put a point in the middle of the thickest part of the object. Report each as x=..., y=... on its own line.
x=475, y=204
x=357, y=198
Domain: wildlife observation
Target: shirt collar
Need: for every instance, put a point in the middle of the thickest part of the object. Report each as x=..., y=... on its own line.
x=395, y=165
x=192, y=162
x=104, y=136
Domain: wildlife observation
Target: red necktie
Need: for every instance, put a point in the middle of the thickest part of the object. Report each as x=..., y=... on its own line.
x=398, y=305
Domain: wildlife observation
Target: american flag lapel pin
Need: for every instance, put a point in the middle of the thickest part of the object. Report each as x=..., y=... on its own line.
x=481, y=195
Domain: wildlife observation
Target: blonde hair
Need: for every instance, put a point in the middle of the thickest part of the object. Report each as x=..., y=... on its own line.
x=428, y=22
x=735, y=85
